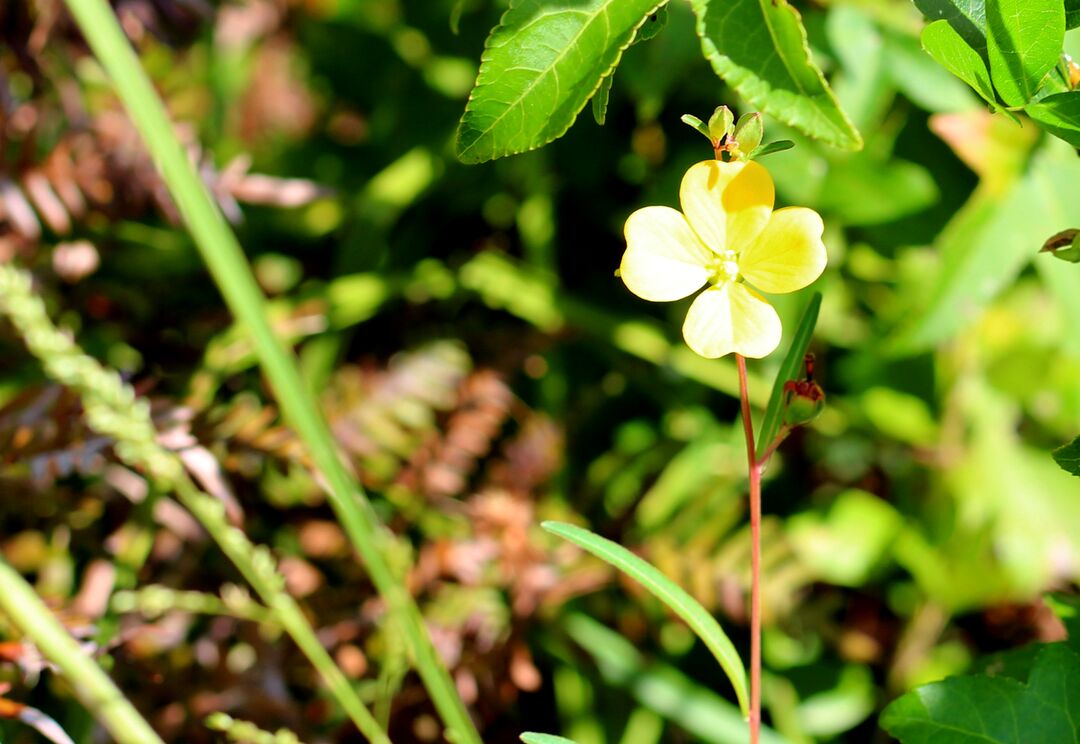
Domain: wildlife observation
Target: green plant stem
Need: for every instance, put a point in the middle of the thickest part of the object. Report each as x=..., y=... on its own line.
x=240, y=550
x=92, y=686
x=230, y=270
x=112, y=408
x=754, y=470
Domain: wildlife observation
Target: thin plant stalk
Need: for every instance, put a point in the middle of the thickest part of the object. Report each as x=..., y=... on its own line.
x=231, y=272
x=754, y=468
x=92, y=685
x=112, y=408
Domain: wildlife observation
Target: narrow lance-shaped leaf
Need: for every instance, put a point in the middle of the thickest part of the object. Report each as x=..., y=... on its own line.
x=534, y=738
x=671, y=594
x=760, y=48
x=789, y=370
x=1023, y=43
x=540, y=66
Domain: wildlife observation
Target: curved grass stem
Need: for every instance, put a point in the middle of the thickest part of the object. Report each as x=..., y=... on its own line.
x=93, y=687
x=231, y=272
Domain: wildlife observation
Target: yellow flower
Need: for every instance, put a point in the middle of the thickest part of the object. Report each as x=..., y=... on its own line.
x=729, y=237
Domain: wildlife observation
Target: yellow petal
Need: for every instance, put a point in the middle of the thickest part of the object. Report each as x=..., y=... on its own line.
x=664, y=259
x=730, y=318
x=727, y=204
x=788, y=254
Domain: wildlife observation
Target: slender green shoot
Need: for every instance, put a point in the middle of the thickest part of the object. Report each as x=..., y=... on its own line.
x=113, y=409
x=789, y=370
x=667, y=591
x=95, y=690
x=223, y=256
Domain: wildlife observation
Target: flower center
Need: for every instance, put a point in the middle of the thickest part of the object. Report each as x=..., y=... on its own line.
x=723, y=268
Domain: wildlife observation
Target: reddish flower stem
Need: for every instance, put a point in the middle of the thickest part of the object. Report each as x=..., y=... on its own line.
x=754, y=469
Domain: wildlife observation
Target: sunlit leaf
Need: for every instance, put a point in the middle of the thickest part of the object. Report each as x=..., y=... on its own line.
x=540, y=66
x=534, y=738
x=994, y=710
x=759, y=47
x=671, y=594
x=948, y=48
x=1059, y=114
x=1023, y=43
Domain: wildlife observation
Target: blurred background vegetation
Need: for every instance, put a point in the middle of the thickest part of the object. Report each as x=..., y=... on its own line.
x=484, y=370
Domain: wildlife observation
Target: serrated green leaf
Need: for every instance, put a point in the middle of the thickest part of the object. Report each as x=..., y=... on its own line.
x=994, y=710
x=948, y=48
x=540, y=66
x=759, y=47
x=1068, y=457
x=600, y=100
x=671, y=594
x=790, y=369
x=534, y=738
x=653, y=25
x=1059, y=114
x=1023, y=43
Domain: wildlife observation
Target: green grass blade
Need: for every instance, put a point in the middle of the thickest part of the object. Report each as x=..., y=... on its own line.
x=534, y=738
x=223, y=256
x=671, y=594
x=28, y=613
x=664, y=689
x=789, y=370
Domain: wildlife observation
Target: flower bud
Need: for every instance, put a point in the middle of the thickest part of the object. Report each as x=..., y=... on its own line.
x=748, y=132
x=720, y=123
x=803, y=401
x=1064, y=245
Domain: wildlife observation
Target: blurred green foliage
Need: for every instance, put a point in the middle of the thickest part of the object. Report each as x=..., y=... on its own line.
x=910, y=530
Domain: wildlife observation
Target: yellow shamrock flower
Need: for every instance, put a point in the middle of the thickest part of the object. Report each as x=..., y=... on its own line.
x=729, y=237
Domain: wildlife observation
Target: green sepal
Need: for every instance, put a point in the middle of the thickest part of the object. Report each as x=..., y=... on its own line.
x=721, y=123
x=749, y=132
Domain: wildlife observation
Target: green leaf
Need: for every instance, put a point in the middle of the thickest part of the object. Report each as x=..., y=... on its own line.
x=683, y=700
x=600, y=100
x=534, y=738
x=1068, y=457
x=948, y=48
x=759, y=47
x=653, y=25
x=1023, y=43
x=790, y=369
x=1072, y=13
x=1059, y=114
x=994, y=710
x=921, y=78
x=778, y=146
x=540, y=66
x=671, y=594
x=967, y=17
